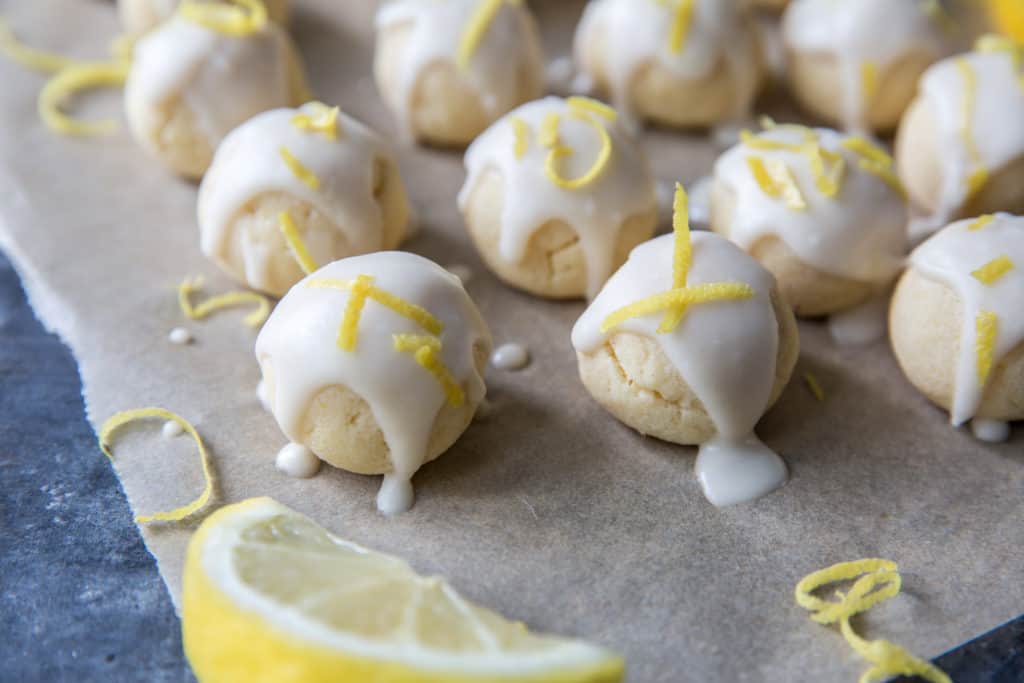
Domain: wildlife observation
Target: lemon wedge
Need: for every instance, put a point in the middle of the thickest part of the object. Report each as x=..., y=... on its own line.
x=271, y=596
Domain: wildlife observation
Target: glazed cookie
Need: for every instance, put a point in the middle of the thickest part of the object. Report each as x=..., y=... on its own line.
x=679, y=63
x=312, y=172
x=203, y=72
x=856, y=63
x=139, y=16
x=691, y=342
x=557, y=194
x=375, y=363
x=450, y=68
x=960, y=148
x=957, y=322
x=824, y=212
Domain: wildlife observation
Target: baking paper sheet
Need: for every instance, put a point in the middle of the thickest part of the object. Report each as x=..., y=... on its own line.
x=549, y=510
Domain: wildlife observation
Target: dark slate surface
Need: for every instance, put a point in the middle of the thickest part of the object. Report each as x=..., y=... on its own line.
x=81, y=598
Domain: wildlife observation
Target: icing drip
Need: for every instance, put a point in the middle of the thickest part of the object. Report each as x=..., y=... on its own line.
x=690, y=38
x=978, y=103
x=179, y=336
x=991, y=431
x=510, y=356
x=993, y=320
x=568, y=160
x=297, y=461
x=491, y=41
x=725, y=350
x=250, y=163
x=300, y=343
x=865, y=37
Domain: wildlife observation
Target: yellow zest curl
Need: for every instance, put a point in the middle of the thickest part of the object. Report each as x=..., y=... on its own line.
x=426, y=350
x=995, y=269
x=177, y=514
x=323, y=120
x=986, y=326
x=299, y=170
x=221, y=301
x=549, y=130
x=979, y=176
x=828, y=167
x=776, y=180
x=295, y=243
x=980, y=222
x=869, y=80
x=875, y=581
x=28, y=56
x=587, y=105
x=237, y=18
x=815, y=386
x=476, y=28
x=876, y=161
x=681, y=20
x=522, y=137
x=67, y=82
x=603, y=156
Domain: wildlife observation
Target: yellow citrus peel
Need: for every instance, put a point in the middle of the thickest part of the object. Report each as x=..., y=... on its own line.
x=980, y=222
x=236, y=18
x=979, y=176
x=558, y=151
x=221, y=301
x=71, y=80
x=682, y=18
x=992, y=43
x=120, y=419
x=477, y=27
x=875, y=581
x=869, y=80
x=299, y=170
x=589, y=105
x=776, y=180
x=323, y=120
x=295, y=243
x=827, y=167
x=995, y=269
x=676, y=301
x=815, y=386
x=986, y=326
x=876, y=161
x=549, y=130
x=521, y=131
x=28, y=56
x=426, y=350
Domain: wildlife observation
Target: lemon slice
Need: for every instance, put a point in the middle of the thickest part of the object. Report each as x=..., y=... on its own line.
x=270, y=596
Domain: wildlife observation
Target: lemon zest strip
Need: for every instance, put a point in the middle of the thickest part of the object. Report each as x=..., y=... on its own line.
x=548, y=137
x=114, y=422
x=827, y=167
x=477, y=27
x=876, y=161
x=425, y=350
x=986, y=326
x=521, y=131
x=776, y=180
x=979, y=176
x=579, y=104
x=995, y=269
x=221, y=301
x=682, y=254
x=295, y=243
x=814, y=386
x=324, y=120
x=238, y=18
x=875, y=581
x=592, y=173
x=869, y=79
x=682, y=18
x=980, y=222
x=69, y=81
x=299, y=170
x=29, y=56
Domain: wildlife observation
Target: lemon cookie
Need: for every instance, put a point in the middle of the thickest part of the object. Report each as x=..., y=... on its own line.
x=675, y=62
x=557, y=194
x=203, y=72
x=139, y=16
x=375, y=363
x=957, y=322
x=960, y=148
x=823, y=211
x=449, y=69
x=855, y=63
x=291, y=189
x=691, y=342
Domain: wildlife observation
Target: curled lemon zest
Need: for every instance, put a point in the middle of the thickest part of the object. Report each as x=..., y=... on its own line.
x=682, y=253
x=979, y=176
x=30, y=57
x=589, y=105
x=295, y=243
x=299, y=170
x=875, y=581
x=869, y=79
x=521, y=131
x=548, y=136
x=827, y=167
x=237, y=18
x=600, y=163
x=995, y=269
x=476, y=28
x=426, y=350
x=122, y=418
x=992, y=43
x=776, y=180
x=410, y=343
x=814, y=386
x=986, y=326
x=324, y=120
x=876, y=161
x=682, y=18
x=69, y=81
x=221, y=301
x=980, y=222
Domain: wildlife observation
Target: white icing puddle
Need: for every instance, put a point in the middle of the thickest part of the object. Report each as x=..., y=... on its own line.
x=510, y=357
x=171, y=429
x=395, y=495
x=180, y=336
x=991, y=431
x=261, y=394
x=297, y=461
x=861, y=325
x=734, y=471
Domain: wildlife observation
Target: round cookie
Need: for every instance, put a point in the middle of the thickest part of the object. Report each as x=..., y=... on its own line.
x=449, y=69
x=312, y=170
x=960, y=147
x=822, y=211
x=957, y=323
x=139, y=16
x=692, y=63
x=557, y=194
x=194, y=78
x=382, y=386
x=691, y=342
x=855, y=64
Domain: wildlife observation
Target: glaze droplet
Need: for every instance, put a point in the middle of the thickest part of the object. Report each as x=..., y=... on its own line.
x=991, y=431
x=395, y=495
x=510, y=357
x=297, y=461
x=734, y=471
x=180, y=336
x=171, y=429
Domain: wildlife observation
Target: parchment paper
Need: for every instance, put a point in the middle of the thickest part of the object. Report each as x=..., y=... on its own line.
x=549, y=511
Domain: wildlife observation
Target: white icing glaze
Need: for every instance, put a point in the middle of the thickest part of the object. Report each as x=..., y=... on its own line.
x=510, y=356
x=725, y=351
x=179, y=336
x=635, y=33
x=223, y=79
x=861, y=325
x=263, y=397
x=248, y=163
x=991, y=431
x=507, y=48
x=997, y=125
x=297, y=461
x=596, y=211
x=856, y=32
x=949, y=257
x=858, y=234
x=171, y=429
x=299, y=341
